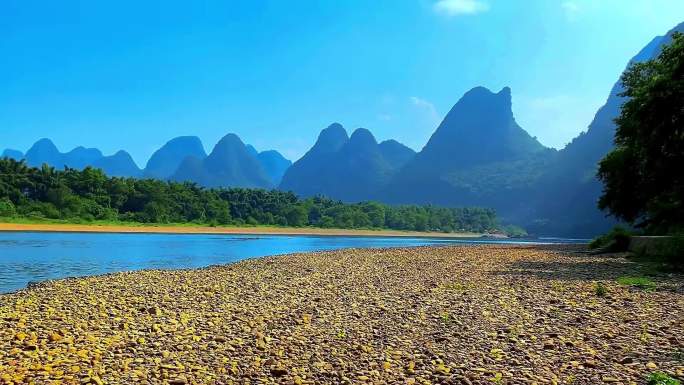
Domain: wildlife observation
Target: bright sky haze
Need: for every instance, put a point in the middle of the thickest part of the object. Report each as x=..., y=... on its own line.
x=134, y=74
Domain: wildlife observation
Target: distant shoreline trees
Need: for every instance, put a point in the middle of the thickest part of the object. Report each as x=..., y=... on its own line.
x=90, y=195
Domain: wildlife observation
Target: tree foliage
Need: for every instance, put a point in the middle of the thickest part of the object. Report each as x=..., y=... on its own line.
x=644, y=175
x=90, y=195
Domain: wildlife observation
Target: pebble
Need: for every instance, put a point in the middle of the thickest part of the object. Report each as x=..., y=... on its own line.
x=481, y=314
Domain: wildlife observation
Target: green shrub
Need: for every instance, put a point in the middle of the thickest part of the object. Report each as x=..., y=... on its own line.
x=7, y=208
x=40, y=210
x=616, y=240
x=600, y=289
x=659, y=378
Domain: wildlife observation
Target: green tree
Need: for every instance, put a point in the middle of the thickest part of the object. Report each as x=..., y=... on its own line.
x=642, y=176
x=88, y=194
x=7, y=208
x=297, y=216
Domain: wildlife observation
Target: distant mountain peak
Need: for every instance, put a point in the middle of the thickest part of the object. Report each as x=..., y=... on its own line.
x=230, y=164
x=44, y=143
x=396, y=154
x=11, y=153
x=166, y=160
x=481, y=99
x=479, y=128
x=347, y=168
x=122, y=154
x=44, y=151
x=362, y=136
x=331, y=138
x=80, y=157
x=120, y=164
x=275, y=165
x=231, y=139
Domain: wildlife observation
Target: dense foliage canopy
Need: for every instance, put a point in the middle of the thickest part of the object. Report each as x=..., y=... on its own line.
x=644, y=175
x=89, y=195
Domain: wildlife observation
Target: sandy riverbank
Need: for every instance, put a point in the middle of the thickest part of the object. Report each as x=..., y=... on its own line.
x=450, y=315
x=95, y=228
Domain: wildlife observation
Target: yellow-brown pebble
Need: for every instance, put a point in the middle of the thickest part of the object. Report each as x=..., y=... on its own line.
x=453, y=314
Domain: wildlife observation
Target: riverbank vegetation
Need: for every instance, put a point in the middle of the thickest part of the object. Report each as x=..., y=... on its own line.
x=643, y=182
x=642, y=176
x=87, y=195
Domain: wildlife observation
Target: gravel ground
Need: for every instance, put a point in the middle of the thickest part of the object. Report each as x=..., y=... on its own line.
x=429, y=315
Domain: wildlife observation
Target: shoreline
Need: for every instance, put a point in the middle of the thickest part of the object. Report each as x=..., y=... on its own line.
x=230, y=230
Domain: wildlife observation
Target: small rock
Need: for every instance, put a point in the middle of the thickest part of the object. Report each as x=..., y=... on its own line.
x=278, y=371
x=626, y=360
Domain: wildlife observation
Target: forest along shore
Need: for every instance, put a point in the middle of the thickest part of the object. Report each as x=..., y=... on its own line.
x=257, y=230
x=452, y=314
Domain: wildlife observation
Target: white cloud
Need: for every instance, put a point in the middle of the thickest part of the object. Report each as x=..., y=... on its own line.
x=427, y=108
x=460, y=7
x=571, y=9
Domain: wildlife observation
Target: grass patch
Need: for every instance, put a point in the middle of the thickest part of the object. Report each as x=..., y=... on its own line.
x=600, y=289
x=659, y=378
x=639, y=282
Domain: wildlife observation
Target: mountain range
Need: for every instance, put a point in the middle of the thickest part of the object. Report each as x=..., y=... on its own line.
x=350, y=168
x=230, y=164
x=478, y=156
x=45, y=152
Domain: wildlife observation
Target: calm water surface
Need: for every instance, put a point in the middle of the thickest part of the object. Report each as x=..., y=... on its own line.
x=32, y=256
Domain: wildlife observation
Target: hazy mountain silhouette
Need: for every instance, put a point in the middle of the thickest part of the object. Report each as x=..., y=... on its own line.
x=120, y=164
x=275, y=165
x=478, y=156
x=80, y=157
x=192, y=169
x=347, y=168
x=165, y=161
x=251, y=149
x=14, y=154
x=44, y=151
x=230, y=164
x=479, y=129
x=304, y=176
x=566, y=197
x=395, y=153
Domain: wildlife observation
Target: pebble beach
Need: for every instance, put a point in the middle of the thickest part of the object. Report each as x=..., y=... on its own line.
x=472, y=314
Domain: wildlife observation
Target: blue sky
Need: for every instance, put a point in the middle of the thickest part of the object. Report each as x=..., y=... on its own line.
x=133, y=74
